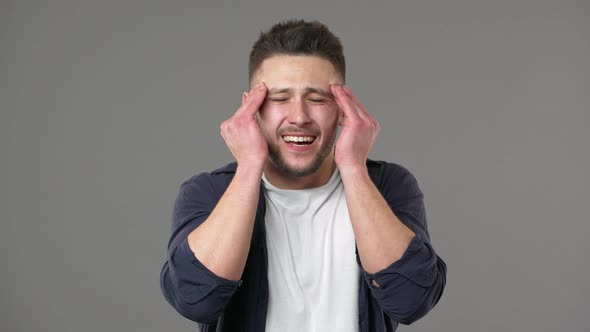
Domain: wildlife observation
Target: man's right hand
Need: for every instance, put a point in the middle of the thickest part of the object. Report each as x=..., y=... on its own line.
x=222, y=241
x=241, y=132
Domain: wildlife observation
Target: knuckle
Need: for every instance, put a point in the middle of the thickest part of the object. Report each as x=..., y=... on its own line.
x=227, y=125
x=356, y=125
x=242, y=107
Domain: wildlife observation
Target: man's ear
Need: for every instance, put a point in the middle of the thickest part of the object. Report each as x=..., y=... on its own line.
x=340, y=117
x=244, y=97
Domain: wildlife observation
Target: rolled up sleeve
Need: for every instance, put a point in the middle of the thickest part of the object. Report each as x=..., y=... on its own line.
x=411, y=286
x=193, y=290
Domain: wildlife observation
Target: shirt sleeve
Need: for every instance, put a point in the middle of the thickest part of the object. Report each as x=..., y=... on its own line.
x=193, y=290
x=411, y=286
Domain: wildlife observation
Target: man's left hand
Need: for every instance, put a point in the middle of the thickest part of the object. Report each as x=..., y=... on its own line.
x=359, y=130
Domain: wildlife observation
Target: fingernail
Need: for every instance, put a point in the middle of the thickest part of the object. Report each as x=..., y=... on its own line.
x=259, y=85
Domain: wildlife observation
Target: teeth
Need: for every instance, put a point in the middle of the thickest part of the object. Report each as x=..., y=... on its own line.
x=298, y=138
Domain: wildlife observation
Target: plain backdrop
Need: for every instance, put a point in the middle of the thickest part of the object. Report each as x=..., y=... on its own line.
x=107, y=106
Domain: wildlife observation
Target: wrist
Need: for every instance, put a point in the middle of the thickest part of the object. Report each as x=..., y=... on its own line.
x=353, y=170
x=250, y=170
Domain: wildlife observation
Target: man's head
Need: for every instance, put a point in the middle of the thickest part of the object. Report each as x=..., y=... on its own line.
x=297, y=37
x=299, y=118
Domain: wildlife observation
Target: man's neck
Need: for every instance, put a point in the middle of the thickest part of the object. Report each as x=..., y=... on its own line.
x=314, y=180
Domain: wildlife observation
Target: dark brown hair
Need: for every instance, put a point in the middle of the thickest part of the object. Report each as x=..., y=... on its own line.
x=297, y=37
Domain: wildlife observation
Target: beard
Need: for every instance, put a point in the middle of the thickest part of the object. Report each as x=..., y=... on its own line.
x=277, y=158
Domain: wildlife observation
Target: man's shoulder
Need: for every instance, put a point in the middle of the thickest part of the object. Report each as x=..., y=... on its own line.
x=226, y=169
x=379, y=169
x=393, y=178
x=217, y=177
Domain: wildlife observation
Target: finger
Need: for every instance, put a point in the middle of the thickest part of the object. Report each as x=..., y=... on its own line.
x=363, y=112
x=340, y=107
x=254, y=100
x=346, y=105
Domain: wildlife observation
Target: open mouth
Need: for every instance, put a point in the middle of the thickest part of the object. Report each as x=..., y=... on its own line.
x=299, y=140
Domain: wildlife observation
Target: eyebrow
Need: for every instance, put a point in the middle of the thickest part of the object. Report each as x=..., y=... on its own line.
x=308, y=89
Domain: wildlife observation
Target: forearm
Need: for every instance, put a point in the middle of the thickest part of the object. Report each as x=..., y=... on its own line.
x=222, y=241
x=381, y=237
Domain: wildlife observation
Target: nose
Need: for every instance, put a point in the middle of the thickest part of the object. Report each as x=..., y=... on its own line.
x=299, y=113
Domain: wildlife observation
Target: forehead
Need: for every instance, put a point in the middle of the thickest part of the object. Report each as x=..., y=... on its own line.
x=293, y=71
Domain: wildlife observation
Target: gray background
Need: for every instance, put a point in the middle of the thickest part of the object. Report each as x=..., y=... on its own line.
x=107, y=106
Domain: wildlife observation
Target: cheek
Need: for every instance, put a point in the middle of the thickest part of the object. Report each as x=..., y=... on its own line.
x=265, y=111
x=275, y=113
x=269, y=116
x=327, y=116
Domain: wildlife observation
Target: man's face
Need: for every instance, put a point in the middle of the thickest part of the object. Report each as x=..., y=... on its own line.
x=299, y=117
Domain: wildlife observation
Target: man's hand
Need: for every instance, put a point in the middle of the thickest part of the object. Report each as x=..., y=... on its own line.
x=380, y=235
x=241, y=133
x=222, y=241
x=359, y=130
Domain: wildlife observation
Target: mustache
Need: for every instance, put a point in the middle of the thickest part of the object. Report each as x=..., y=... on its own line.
x=295, y=130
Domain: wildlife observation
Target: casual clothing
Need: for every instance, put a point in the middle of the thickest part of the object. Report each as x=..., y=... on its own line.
x=407, y=289
x=313, y=276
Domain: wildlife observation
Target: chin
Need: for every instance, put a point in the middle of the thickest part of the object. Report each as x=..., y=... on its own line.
x=298, y=168
x=296, y=164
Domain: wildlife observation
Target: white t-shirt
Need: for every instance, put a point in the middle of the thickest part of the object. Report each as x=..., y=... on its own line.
x=313, y=275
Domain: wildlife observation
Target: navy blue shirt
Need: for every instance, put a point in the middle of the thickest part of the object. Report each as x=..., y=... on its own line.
x=407, y=289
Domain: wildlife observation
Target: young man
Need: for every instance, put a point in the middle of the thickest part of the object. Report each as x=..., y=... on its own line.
x=303, y=232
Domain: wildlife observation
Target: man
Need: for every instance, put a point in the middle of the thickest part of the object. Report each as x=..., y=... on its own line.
x=303, y=232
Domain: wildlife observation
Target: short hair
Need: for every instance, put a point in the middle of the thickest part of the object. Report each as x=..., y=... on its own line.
x=297, y=37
